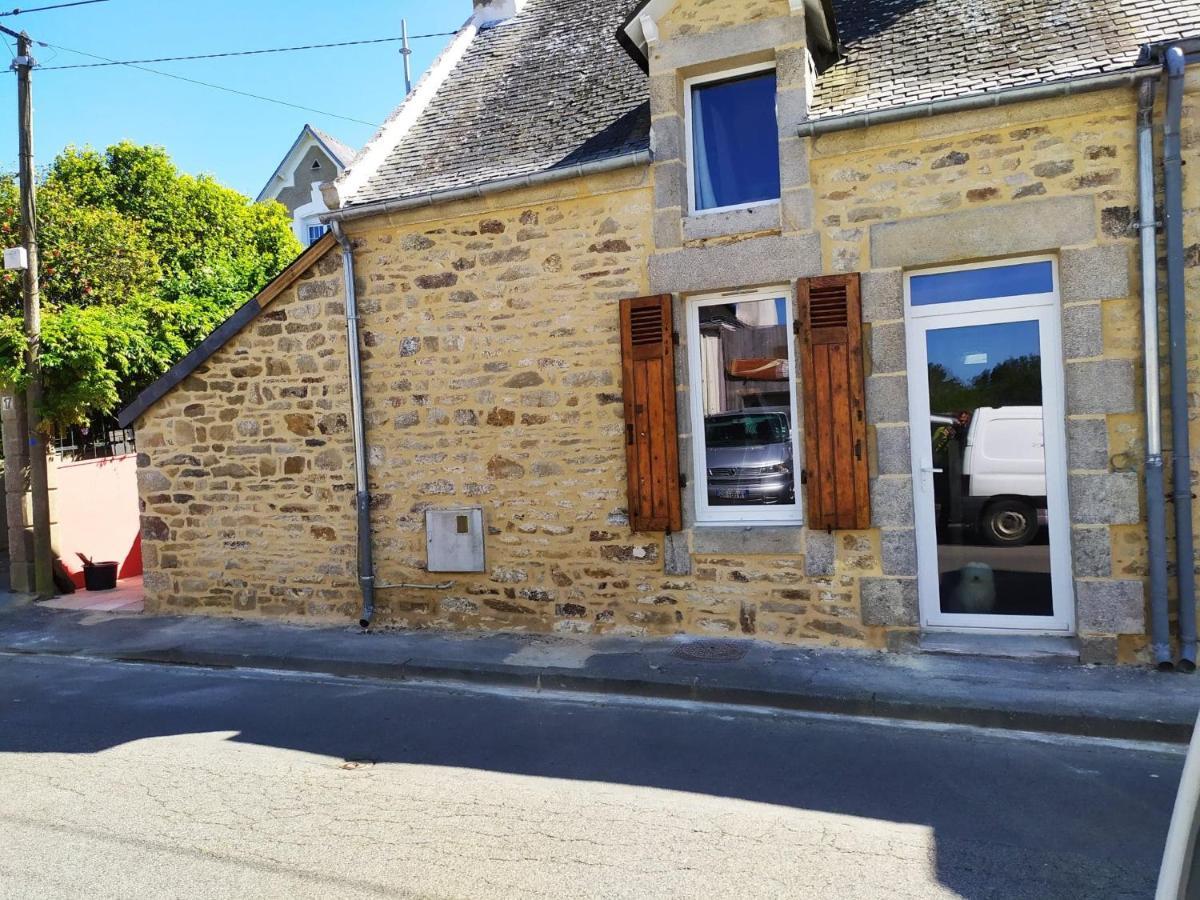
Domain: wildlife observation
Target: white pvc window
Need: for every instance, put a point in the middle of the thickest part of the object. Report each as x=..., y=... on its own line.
x=316, y=232
x=742, y=388
x=732, y=140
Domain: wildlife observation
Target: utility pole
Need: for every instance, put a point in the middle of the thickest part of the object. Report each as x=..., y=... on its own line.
x=406, y=52
x=39, y=482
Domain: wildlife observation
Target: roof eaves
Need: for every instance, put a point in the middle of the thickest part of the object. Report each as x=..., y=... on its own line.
x=223, y=333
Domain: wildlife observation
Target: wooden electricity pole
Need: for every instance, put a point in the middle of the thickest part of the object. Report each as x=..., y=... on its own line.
x=43, y=572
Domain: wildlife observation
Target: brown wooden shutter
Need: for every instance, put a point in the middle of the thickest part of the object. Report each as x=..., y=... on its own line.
x=835, y=427
x=651, y=442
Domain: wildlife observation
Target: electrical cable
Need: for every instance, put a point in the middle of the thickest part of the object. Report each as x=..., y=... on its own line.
x=162, y=59
x=208, y=84
x=17, y=12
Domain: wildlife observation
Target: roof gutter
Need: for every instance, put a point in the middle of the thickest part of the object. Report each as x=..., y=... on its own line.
x=1045, y=91
x=488, y=188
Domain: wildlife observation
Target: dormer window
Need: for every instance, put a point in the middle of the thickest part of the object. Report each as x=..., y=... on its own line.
x=733, y=159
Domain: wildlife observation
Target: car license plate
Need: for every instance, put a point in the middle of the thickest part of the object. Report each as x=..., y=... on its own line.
x=732, y=494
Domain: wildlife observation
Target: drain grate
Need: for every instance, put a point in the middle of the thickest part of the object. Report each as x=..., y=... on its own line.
x=712, y=651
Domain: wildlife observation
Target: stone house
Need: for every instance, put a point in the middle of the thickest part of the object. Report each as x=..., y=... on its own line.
x=313, y=159
x=811, y=320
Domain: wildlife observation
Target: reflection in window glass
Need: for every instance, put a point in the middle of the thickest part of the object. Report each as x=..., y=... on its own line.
x=982, y=283
x=746, y=397
x=735, y=142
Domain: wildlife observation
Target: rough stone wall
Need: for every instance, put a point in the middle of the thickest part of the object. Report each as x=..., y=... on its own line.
x=1050, y=177
x=246, y=469
x=694, y=17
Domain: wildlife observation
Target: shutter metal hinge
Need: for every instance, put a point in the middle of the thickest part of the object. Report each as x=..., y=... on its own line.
x=804, y=476
x=796, y=327
x=683, y=479
x=675, y=338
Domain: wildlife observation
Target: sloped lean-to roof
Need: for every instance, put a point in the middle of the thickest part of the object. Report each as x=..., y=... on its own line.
x=550, y=88
x=242, y=316
x=903, y=52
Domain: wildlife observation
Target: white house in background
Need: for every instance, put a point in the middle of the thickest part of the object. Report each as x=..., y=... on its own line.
x=315, y=157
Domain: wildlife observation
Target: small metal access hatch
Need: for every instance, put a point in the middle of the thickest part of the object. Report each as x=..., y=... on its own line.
x=454, y=539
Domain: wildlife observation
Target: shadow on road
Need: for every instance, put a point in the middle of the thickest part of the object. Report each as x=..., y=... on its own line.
x=1073, y=819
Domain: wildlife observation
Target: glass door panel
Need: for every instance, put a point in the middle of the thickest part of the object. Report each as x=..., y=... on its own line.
x=987, y=427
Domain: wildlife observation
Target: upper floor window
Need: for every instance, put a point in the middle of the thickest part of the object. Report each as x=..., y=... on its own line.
x=734, y=151
x=316, y=232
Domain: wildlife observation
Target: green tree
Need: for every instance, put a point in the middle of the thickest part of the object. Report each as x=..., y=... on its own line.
x=139, y=263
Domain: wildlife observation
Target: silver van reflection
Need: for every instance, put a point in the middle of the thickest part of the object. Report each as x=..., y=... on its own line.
x=748, y=454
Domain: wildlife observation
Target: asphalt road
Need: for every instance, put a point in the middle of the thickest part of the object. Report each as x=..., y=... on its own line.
x=139, y=781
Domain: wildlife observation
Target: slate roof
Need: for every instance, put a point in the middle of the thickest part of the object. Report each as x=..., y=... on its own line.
x=551, y=87
x=343, y=153
x=900, y=52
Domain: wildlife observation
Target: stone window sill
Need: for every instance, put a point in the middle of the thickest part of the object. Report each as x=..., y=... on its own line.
x=729, y=223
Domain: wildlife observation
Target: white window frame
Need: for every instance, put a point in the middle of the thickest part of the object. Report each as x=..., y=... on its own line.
x=308, y=226
x=749, y=514
x=689, y=140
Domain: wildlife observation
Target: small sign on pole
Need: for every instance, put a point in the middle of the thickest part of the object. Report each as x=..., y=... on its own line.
x=16, y=258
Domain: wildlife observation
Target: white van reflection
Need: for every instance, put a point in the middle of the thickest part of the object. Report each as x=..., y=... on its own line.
x=993, y=478
x=748, y=454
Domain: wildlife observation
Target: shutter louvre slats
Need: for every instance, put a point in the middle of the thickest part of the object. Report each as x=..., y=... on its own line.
x=648, y=386
x=834, y=403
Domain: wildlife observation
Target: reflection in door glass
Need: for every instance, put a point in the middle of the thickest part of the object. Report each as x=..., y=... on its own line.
x=985, y=400
x=746, y=394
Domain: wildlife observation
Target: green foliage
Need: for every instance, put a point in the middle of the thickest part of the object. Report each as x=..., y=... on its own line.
x=139, y=262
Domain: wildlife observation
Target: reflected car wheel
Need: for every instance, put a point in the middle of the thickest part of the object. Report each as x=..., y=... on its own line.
x=1009, y=523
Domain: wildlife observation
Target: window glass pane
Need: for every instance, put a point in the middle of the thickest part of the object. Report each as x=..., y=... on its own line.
x=746, y=397
x=315, y=232
x=982, y=283
x=735, y=142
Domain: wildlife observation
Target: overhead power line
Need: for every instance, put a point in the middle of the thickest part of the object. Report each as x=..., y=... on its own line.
x=17, y=12
x=162, y=59
x=216, y=87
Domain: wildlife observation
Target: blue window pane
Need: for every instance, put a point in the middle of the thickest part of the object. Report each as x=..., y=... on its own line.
x=735, y=142
x=982, y=284
x=316, y=232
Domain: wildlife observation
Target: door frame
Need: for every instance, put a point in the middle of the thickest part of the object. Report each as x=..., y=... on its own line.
x=1045, y=309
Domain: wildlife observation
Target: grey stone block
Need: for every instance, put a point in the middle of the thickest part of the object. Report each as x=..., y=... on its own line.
x=977, y=233
x=751, y=541
x=797, y=209
x=1108, y=499
x=1082, y=336
x=1098, y=650
x=1094, y=273
x=1087, y=444
x=887, y=398
x=1091, y=551
x=666, y=138
x=791, y=108
x=820, y=553
x=889, y=601
x=793, y=162
x=665, y=96
x=765, y=217
x=670, y=186
x=677, y=559
x=882, y=295
x=761, y=260
x=893, y=449
x=888, y=348
x=725, y=43
x=1101, y=386
x=1111, y=607
x=899, y=550
x=791, y=67
x=892, y=501
x=668, y=232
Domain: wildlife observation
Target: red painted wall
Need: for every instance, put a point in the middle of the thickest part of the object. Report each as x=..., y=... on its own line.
x=97, y=506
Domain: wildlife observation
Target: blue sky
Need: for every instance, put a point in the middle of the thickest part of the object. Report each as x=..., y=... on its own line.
x=236, y=139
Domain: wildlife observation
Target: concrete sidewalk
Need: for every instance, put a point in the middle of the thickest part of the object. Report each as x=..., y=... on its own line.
x=1136, y=704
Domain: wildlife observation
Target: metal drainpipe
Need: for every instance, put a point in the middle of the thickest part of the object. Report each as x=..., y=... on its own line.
x=362, y=495
x=1174, y=65
x=1156, y=512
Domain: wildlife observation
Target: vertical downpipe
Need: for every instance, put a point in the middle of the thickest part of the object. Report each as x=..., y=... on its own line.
x=1177, y=314
x=1156, y=512
x=362, y=496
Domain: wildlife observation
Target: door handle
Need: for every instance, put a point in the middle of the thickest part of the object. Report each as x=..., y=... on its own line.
x=930, y=470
